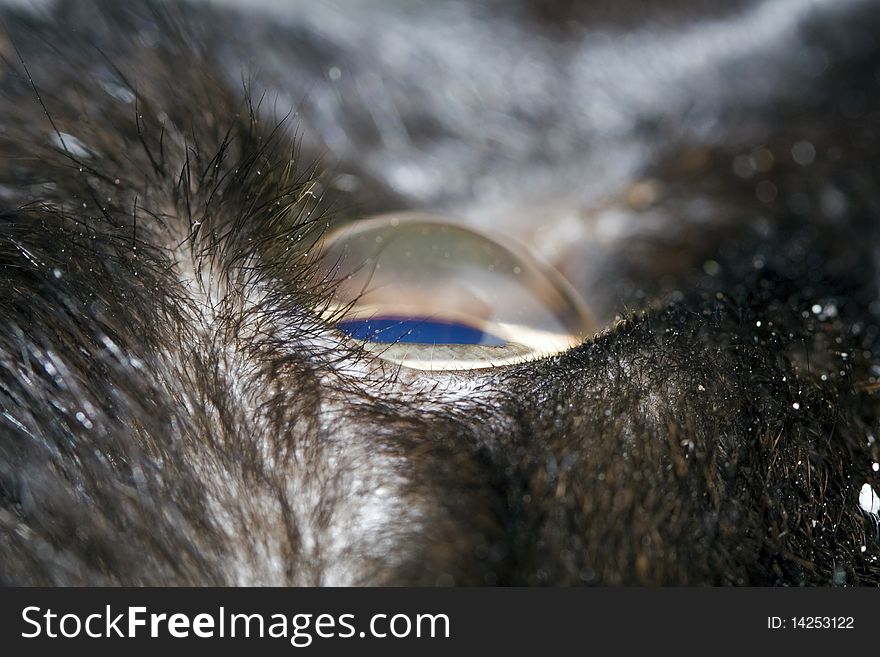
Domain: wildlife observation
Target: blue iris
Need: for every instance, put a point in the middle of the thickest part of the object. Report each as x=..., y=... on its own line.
x=416, y=330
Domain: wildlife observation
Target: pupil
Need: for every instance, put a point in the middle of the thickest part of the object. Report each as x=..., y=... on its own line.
x=416, y=330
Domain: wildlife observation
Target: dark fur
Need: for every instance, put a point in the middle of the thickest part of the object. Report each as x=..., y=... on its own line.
x=175, y=412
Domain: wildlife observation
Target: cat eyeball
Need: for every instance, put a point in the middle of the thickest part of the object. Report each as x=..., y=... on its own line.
x=425, y=293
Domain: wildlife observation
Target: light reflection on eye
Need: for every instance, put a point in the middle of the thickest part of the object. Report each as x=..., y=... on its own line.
x=417, y=330
x=424, y=293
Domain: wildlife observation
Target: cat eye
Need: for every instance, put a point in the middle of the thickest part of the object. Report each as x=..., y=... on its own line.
x=421, y=292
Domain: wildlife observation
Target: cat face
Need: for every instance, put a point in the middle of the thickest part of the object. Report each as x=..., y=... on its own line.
x=189, y=395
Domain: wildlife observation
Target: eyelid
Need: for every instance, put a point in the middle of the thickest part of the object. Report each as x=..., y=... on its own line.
x=414, y=265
